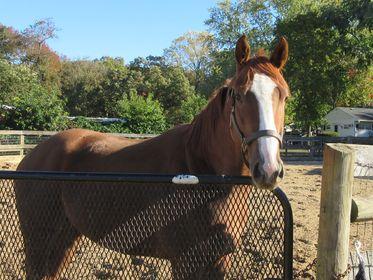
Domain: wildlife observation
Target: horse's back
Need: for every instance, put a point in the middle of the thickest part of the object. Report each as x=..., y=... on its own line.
x=55, y=154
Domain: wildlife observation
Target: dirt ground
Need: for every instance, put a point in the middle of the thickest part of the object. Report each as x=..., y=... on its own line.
x=302, y=184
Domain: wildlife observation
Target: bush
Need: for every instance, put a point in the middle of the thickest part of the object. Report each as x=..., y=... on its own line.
x=329, y=134
x=83, y=122
x=33, y=107
x=189, y=109
x=35, y=111
x=142, y=114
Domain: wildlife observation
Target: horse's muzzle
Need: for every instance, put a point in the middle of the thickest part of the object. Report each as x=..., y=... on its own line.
x=265, y=176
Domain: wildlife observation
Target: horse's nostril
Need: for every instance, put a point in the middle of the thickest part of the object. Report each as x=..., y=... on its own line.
x=275, y=175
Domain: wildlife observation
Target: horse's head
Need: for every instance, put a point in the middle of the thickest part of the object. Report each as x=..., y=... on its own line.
x=259, y=92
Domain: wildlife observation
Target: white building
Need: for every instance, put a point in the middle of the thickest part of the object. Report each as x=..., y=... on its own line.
x=347, y=121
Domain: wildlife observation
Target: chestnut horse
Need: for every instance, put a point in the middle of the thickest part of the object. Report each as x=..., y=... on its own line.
x=238, y=133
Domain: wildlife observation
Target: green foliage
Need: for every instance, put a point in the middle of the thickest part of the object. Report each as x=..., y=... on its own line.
x=221, y=67
x=227, y=22
x=255, y=18
x=11, y=43
x=189, y=109
x=81, y=82
x=94, y=88
x=330, y=64
x=83, y=122
x=14, y=80
x=142, y=114
x=192, y=51
x=34, y=107
x=170, y=87
x=35, y=110
x=327, y=66
x=329, y=134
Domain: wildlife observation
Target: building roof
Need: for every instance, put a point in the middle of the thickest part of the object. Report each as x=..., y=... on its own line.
x=361, y=114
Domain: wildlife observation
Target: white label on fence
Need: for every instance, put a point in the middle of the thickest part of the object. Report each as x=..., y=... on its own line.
x=185, y=179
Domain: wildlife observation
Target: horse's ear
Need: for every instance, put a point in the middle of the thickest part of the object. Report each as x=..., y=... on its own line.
x=242, y=51
x=280, y=54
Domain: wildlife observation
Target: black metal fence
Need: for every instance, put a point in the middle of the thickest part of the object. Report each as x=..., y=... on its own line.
x=311, y=148
x=115, y=226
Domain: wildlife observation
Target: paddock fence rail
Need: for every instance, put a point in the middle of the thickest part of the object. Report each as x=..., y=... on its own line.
x=311, y=148
x=141, y=226
x=14, y=144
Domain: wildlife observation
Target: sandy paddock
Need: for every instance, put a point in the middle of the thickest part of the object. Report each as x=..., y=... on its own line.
x=302, y=184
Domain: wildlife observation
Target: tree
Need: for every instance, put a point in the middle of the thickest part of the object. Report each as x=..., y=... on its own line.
x=169, y=85
x=176, y=89
x=38, y=54
x=35, y=110
x=30, y=47
x=255, y=18
x=36, y=36
x=141, y=63
x=81, y=83
x=221, y=67
x=189, y=108
x=11, y=44
x=114, y=85
x=227, y=22
x=31, y=106
x=326, y=63
x=142, y=114
x=14, y=80
x=192, y=52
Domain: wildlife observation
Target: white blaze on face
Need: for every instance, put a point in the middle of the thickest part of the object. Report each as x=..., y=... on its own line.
x=263, y=88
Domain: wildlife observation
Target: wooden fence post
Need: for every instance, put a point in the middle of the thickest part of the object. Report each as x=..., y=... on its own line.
x=22, y=144
x=335, y=209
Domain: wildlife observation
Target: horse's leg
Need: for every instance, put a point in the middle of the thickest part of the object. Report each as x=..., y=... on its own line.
x=207, y=258
x=32, y=219
x=46, y=231
x=233, y=212
x=218, y=269
x=61, y=250
x=47, y=249
x=35, y=255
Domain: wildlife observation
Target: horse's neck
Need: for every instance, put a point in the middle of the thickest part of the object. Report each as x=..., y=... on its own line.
x=162, y=154
x=215, y=153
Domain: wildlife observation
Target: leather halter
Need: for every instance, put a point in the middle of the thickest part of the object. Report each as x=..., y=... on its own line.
x=247, y=141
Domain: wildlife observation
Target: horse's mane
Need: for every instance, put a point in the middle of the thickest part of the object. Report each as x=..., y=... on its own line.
x=204, y=124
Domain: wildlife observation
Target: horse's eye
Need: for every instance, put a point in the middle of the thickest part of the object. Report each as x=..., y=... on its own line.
x=238, y=97
x=286, y=98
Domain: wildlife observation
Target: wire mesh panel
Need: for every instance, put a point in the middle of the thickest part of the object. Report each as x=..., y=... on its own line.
x=96, y=226
x=362, y=230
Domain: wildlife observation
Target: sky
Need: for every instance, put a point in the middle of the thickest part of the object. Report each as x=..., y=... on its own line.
x=121, y=28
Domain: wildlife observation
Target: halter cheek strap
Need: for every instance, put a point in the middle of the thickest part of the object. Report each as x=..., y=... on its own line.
x=247, y=141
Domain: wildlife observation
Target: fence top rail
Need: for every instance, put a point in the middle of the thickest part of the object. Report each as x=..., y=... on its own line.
x=120, y=177
x=26, y=132
x=315, y=138
x=41, y=133
x=139, y=136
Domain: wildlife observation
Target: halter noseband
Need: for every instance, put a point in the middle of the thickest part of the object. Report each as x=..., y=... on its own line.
x=247, y=141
